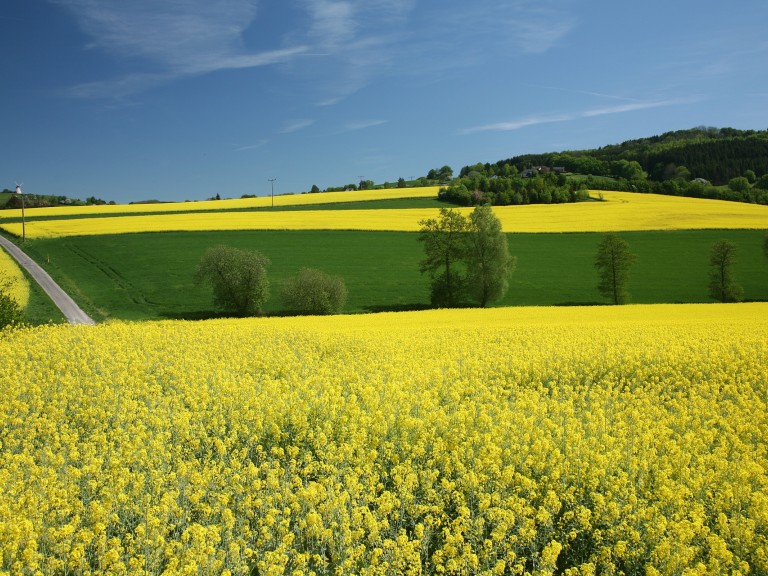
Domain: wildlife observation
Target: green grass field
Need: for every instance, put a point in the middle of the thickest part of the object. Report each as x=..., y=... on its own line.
x=149, y=276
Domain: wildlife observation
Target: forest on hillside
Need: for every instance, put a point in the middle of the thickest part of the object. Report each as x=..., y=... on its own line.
x=704, y=162
x=713, y=154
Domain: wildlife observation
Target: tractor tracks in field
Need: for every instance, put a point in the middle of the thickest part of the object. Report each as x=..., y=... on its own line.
x=120, y=281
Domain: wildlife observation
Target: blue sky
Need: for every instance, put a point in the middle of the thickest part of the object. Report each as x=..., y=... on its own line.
x=130, y=100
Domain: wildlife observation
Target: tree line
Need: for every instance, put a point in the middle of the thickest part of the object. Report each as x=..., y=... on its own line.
x=475, y=189
x=45, y=201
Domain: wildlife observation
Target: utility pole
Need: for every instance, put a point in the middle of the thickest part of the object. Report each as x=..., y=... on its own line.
x=23, y=219
x=272, y=183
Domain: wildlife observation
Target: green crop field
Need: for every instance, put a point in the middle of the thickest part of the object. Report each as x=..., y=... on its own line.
x=149, y=276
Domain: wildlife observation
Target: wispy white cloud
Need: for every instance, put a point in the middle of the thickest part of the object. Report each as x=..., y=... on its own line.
x=538, y=29
x=466, y=34
x=120, y=87
x=593, y=112
x=259, y=144
x=362, y=125
x=353, y=42
x=333, y=23
x=584, y=92
x=359, y=39
x=173, y=39
x=296, y=125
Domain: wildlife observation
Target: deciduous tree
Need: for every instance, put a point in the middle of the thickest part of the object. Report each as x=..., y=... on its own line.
x=238, y=279
x=722, y=284
x=739, y=184
x=613, y=262
x=762, y=182
x=446, y=247
x=489, y=264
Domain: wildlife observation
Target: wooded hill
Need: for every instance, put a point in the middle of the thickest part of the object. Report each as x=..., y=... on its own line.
x=714, y=154
x=699, y=162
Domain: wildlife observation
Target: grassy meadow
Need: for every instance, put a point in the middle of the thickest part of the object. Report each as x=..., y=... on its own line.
x=149, y=276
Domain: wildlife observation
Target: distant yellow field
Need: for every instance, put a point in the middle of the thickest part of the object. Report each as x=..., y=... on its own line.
x=234, y=204
x=10, y=270
x=621, y=211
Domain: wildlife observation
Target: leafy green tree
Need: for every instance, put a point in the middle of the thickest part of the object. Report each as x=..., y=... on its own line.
x=445, y=173
x=445, y=246
x=238, y=279
x=762, y=182
x=613, y=262
x=682, y=173
x=489, y=265
x=629, y=170
x=722, y=284
x=314, y=189
x=10, y=311
x=739, y=184
x=401, y=183
x=313, y=291
x=750, y=176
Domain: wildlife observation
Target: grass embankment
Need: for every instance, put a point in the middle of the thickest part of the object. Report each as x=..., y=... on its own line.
x=149, y=276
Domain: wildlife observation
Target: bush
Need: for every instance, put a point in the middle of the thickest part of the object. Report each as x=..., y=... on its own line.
x=313, y=291
x=238, y=278
x=10, y=311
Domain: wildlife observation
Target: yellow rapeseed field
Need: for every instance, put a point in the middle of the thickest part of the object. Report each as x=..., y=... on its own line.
x=233, y=204
x=599, y=440
x=10, y=271
x=621, y=211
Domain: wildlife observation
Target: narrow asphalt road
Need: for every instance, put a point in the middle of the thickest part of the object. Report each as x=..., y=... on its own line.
x=68, y=307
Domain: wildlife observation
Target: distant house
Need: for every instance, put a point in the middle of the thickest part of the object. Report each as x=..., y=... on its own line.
x=535, y=171
x=558, y=169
